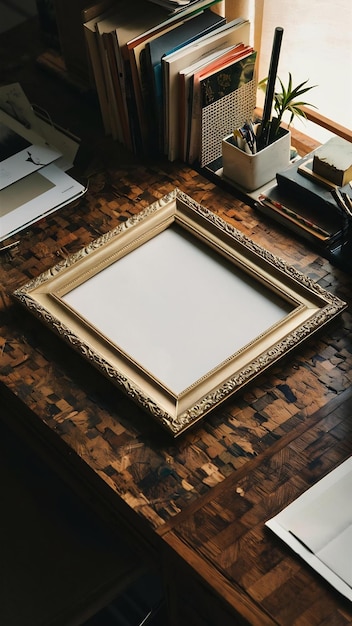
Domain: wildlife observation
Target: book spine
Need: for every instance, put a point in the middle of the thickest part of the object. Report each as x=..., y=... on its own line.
x=135, y=130
x=151, y=134
x=97, y=70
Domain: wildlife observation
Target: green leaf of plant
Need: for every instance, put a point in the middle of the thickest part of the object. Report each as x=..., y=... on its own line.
x=286, y=99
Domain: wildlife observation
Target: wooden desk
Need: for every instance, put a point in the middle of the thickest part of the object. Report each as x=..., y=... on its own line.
x=197, y=505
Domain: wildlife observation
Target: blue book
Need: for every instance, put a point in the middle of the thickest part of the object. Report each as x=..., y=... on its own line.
x=200, y=24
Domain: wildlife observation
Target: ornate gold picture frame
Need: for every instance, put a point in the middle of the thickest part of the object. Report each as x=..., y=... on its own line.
x=178, y=308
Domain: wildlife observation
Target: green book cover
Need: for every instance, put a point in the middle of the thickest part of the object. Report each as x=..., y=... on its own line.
x=226, y=80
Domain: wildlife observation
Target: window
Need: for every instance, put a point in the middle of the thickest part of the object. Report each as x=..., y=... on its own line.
x=316, y=45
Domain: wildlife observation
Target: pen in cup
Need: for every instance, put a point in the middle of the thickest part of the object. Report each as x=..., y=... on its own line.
x=246, y=138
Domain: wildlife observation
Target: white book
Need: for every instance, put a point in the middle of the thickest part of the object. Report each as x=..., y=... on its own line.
x=230, y=34
x=91, y=38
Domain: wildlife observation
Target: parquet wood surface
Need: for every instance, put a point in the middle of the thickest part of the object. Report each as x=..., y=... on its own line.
x=160, y=476
x=225, y=530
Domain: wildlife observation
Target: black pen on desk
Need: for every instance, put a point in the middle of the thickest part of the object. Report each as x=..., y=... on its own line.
x=294, y=215
x=263, y=139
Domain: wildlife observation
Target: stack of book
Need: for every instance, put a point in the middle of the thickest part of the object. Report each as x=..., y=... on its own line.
x=304, y=203
x=174, y=6
x=171, y=81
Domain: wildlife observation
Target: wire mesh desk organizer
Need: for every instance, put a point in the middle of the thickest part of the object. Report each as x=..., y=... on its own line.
x=221, y=115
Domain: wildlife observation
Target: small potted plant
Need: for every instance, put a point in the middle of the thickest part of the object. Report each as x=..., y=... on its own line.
x=251, y=165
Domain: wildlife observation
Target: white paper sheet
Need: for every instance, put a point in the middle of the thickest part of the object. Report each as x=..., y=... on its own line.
x=318, y=526
x=14, y=102
x=22, y=151
x=35, y=196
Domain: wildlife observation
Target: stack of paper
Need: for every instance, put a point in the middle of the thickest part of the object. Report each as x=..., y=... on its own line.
x=318, y=527
x=33, y=181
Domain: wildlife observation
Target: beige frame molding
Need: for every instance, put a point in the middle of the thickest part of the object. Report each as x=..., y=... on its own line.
x=306, y=308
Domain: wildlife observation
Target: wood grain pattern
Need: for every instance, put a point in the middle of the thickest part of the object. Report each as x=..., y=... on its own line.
x=224, y=538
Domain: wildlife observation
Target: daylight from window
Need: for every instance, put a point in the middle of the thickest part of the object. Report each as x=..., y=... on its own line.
x=316, y=46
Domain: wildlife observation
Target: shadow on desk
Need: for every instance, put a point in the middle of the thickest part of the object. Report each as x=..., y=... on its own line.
x=61, y=565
